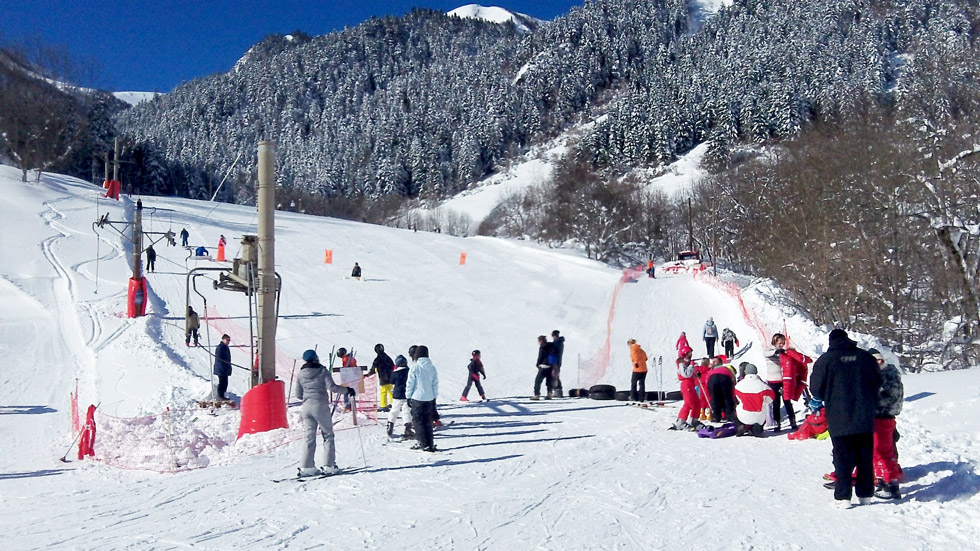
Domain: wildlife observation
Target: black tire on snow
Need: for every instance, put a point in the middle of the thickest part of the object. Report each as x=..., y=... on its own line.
x=602, y=388
x=578, y=393
x=671, y=395
x=602, y=395
x=622, y=396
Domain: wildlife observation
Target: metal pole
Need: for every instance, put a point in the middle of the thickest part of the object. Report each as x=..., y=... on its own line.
x=267, y=262
x=138, y=241
x=115, y=161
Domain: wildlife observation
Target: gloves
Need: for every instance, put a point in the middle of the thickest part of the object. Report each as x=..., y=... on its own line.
x=350, y=392
x=484, y=375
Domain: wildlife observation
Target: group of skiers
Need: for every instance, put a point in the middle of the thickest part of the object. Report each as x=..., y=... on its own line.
x=399, y=384
x=857, y=392
x=549, y=366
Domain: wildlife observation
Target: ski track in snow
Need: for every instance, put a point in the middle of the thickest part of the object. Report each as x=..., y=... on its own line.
x=517, y=474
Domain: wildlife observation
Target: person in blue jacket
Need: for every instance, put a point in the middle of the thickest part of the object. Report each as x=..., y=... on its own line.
x=222, y=365
x=422, y=389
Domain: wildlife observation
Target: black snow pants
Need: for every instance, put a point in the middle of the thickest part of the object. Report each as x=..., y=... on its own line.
x=853, y=450
x=638, y=380
x=721, y=395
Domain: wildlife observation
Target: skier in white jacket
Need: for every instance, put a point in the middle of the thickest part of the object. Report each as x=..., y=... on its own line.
x=312, y=384
x=754, y=397
x=421, y=390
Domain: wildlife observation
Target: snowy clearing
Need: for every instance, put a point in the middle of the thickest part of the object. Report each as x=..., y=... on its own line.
x=515, y=474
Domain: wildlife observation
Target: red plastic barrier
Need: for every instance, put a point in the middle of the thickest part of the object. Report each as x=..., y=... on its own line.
x=136, y=304
x=221, y=252
x=112, y=189
x=86, y=446
x=264, y=409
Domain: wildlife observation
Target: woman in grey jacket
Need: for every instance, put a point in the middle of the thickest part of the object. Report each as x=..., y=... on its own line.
x=312, y=384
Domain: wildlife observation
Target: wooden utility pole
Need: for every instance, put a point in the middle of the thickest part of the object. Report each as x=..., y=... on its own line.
x=267, y=263
x=714, y=241
x=690, y=226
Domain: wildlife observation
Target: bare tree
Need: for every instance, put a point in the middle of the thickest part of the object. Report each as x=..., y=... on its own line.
x=39, y=123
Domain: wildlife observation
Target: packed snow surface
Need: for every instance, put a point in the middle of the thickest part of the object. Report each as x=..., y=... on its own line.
x=515, y=474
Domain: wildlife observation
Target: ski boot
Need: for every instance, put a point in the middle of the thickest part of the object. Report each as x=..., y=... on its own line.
x=464, y=399
x=889, y=490
x=390, y=429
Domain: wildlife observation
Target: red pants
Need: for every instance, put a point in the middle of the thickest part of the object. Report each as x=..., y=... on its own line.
x=692, y=406
x=885, y=457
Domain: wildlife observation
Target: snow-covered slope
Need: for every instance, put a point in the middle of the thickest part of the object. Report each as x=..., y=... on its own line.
x=494, y=14
x=516, y=474
x=135, y=98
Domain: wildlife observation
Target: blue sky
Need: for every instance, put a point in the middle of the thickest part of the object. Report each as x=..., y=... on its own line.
x=141, y=45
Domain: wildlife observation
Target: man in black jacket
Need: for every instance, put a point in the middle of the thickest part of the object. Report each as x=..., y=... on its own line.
x=846, y=379
x=222, y=365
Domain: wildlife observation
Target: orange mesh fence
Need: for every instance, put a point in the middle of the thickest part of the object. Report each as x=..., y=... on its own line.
x=733, y=291
x=592, y=370
x=240, y=339
x=76, y=425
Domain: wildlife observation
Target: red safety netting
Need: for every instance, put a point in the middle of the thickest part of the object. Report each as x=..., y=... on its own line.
x=592, y=370
x=285, y=364
x=185, y=439
x=733, y=291
x=76, y=424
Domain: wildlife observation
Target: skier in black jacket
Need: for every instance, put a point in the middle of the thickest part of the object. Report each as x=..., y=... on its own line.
x=546, y=362
x=846, y=379
x=383, y=366
x=399, y=378
x=475, y=370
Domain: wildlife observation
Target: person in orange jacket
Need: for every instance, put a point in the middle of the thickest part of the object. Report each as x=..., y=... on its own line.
x=638, y=380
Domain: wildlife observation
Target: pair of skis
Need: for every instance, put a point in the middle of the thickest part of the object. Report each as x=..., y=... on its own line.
x=318, y=476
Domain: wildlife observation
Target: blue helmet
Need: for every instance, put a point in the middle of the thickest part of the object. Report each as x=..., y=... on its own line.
x=310, y=356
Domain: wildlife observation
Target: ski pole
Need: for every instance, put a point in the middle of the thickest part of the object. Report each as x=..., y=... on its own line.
x=64, y=458
x=354, y=409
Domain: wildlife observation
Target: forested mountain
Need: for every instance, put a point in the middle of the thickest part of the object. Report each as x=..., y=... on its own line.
x=841, y=136
x=425, y=104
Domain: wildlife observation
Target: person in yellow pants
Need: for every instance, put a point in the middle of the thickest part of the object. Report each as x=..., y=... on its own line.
x=383, y=366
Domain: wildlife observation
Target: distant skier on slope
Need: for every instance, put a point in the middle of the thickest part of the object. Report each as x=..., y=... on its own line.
x=356, y=272
x=474, y=371
x=151, y=259
x=682, y=343
x=710, y=335
x=311, y=387
x=729, y=341
x=192, y=324
x=184, y=236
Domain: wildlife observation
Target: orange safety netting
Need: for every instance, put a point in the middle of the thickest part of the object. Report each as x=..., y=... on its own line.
x=592, y=370
x=733, y=291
